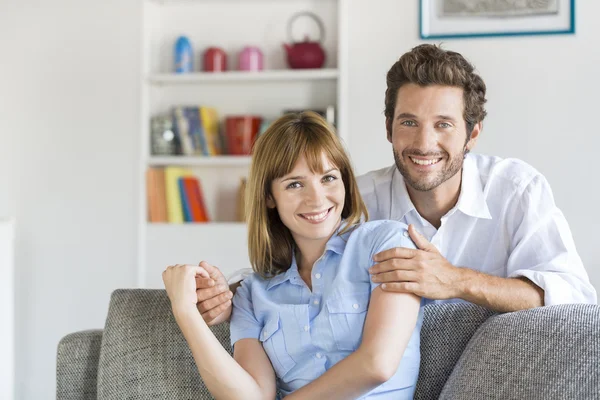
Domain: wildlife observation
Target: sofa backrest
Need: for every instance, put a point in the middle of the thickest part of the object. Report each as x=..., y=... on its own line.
x=144, y=355
x=446, y=330
x=539, y=354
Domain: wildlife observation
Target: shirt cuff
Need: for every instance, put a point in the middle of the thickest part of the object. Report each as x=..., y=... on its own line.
x=560, y=287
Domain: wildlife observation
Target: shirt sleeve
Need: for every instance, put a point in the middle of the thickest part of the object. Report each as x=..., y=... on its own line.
x=388, y=235
x=543, y=248
x=243, y=323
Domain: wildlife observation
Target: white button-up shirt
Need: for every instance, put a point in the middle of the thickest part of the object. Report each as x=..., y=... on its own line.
x=505, y=223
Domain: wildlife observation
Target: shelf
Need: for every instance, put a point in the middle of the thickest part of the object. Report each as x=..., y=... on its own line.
x=217, y=161
x=243, y=76
x=204, y=226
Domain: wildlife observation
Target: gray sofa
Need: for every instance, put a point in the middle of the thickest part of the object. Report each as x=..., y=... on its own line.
x=467, y=353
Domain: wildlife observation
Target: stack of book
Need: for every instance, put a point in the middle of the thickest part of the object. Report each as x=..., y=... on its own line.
x=175, y=196
x=197, y=131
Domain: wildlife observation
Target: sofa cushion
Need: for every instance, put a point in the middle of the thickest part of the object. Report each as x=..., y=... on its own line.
x=544, y=353
x=446, y=330
x=143, y=353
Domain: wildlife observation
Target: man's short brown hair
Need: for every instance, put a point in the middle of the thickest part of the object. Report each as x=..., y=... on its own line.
x=429, y=64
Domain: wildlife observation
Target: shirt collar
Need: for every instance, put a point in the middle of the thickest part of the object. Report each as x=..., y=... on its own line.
x=471, y=200
x=400, y=202
x=337, y=244
x=290, y=275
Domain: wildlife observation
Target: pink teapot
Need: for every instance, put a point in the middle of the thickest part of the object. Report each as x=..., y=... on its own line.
x=305, y=54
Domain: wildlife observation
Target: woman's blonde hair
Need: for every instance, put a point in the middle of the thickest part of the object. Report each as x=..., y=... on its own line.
x=275, y=153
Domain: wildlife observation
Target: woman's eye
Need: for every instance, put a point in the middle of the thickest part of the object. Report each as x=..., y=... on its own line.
x=293, y=185
x=329, y=178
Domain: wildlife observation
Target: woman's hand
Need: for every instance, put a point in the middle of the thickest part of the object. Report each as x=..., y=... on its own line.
x=180, y=283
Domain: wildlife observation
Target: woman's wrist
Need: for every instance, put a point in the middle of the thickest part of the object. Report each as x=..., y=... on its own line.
x=184, y=310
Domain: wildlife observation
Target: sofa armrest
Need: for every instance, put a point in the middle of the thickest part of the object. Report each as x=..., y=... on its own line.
x=541, y=354
x=77, y=365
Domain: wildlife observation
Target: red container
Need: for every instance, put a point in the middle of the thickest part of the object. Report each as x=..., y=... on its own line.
x=215, y=60
x=241, y=132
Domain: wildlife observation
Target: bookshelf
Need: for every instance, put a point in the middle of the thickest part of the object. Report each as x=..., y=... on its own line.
x=230, y=25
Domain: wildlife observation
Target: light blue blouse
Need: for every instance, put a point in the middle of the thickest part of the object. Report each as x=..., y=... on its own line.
x=306, y=332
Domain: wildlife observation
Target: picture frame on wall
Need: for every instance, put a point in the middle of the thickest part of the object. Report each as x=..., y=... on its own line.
x=483, y=18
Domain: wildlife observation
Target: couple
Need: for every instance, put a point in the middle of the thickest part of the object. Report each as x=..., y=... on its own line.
x=333, y=309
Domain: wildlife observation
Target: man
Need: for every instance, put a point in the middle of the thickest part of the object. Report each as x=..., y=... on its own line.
x=487, y=229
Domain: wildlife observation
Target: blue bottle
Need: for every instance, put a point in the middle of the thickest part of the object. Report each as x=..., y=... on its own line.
x=183, y=56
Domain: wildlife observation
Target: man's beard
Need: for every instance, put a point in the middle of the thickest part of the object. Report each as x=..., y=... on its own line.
x=450, y=169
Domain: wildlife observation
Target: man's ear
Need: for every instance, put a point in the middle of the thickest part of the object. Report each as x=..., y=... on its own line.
x=270, y=202
x=474, y=135
x=388, y=128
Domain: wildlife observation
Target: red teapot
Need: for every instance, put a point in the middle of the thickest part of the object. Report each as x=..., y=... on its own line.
x=305, y=54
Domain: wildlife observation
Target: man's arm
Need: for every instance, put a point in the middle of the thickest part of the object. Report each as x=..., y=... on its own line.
x=390, y=322
x=425, y=272
x=498, y=294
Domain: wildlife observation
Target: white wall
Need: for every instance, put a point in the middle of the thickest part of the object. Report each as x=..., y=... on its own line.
x=542, y=103
x=69, y=122
x=69, y=94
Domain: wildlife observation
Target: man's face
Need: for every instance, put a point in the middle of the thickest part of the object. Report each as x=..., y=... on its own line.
x=429, y=134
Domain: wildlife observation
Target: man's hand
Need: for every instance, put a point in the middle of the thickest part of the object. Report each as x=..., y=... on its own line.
x=424, y=272
x=214, y=296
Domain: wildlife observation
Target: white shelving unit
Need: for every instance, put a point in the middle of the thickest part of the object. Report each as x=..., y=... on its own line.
x=230, y=25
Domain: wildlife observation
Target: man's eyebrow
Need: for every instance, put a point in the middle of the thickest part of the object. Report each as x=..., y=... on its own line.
x=446, y=117
x=406, y=115
x=293, y=178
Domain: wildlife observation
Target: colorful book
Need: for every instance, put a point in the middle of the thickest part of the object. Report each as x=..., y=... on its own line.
x=174, y=205
x=185, y=201
x=196, y=131
x=155, y=188
x=182, y=131
x=210, y=122
x=192, y=190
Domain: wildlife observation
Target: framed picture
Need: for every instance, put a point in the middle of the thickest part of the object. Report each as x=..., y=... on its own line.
x=477, y=18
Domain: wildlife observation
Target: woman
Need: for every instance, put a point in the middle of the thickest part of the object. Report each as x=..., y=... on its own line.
x=309, y=320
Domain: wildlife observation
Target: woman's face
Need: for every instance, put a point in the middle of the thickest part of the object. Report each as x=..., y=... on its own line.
x=309, y=204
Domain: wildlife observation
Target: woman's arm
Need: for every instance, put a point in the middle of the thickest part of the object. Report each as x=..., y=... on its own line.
x=390, y=321
x=224, y=377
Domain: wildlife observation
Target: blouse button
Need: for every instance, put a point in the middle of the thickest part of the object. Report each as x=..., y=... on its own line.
x=318, y=276
x=355, y=306
x=319, y=355
x=406, y=233
x=306, y=328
